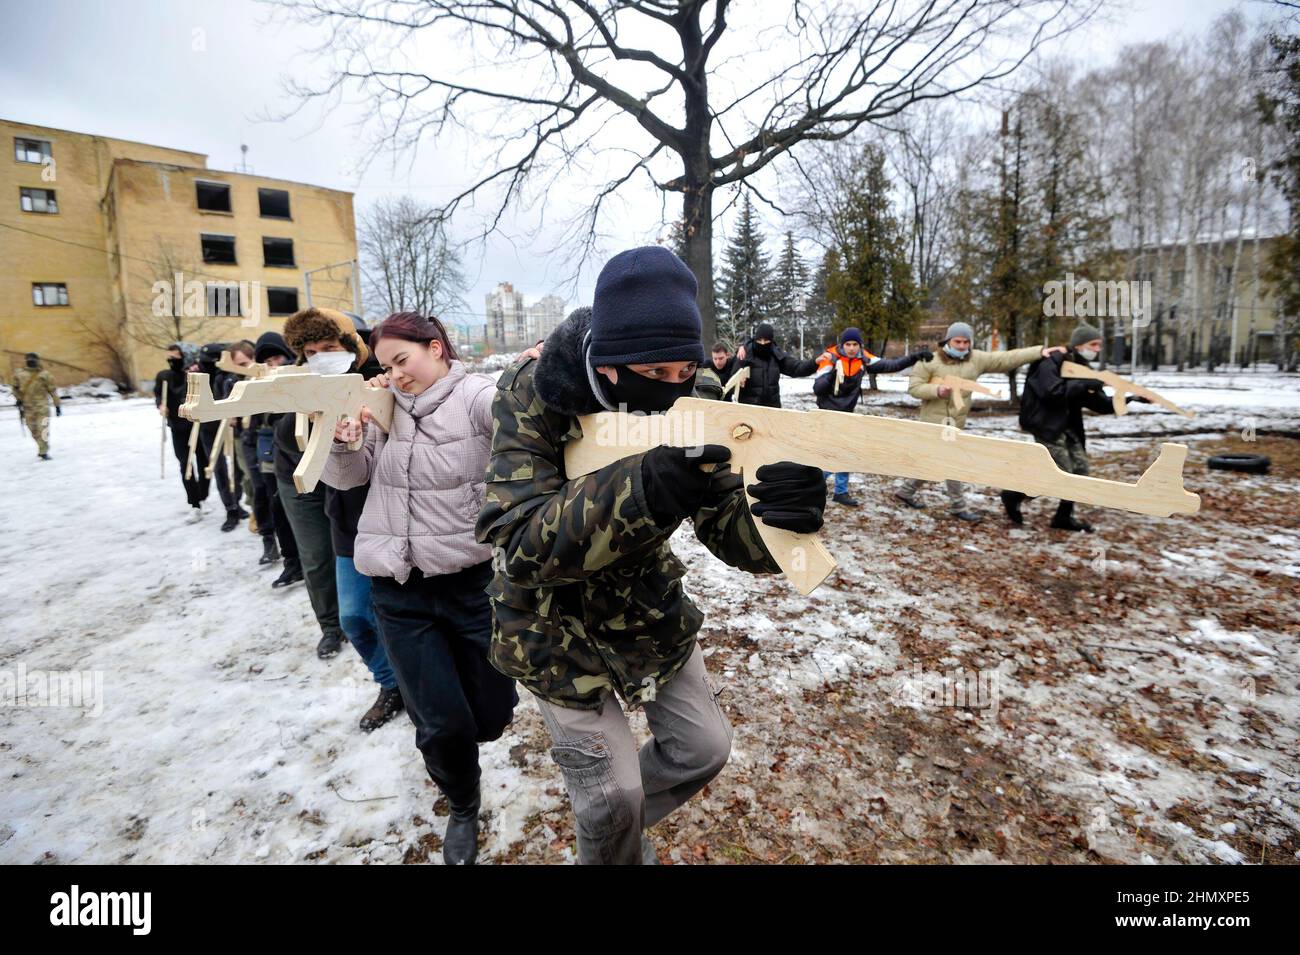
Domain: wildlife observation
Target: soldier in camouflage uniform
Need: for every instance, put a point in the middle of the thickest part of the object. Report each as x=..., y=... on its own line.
x=33, y=389
x=587, y=597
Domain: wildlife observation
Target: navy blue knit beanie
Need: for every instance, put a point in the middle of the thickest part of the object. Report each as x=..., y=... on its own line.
x=644, y=310
x=852, y=335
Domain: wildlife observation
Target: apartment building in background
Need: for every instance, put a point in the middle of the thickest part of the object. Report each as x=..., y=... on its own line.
x=112, y=249
x=511, y=325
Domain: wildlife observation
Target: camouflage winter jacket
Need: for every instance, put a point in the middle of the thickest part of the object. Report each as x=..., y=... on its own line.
x=586, y=593
x=34, y=387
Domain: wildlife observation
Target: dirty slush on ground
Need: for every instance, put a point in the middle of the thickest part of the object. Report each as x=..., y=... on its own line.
x=1142, y=679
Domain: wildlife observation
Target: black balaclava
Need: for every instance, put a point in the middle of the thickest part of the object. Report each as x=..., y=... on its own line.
x=33, y=359
x=639, y=393
x=764, y=330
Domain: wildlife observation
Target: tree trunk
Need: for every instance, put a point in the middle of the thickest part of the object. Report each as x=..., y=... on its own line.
x=697, y=221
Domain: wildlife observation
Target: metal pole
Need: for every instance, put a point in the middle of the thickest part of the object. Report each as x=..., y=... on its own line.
x=356, y=289
x=307, y=278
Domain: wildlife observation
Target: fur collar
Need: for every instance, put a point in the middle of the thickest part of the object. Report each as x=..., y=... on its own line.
x=561, y=379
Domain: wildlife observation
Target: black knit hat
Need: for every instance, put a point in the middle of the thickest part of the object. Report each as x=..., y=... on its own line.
x=644, y=310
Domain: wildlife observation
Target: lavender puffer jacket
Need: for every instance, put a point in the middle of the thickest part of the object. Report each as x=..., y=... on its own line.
x=426, y=479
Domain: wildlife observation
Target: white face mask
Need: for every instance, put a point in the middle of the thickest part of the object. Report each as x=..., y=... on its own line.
x=1087, y=354
x=330, y=362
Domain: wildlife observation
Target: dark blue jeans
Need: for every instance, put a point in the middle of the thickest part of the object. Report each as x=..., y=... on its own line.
x=357, y=618
x=841, y=481
x=437, y=630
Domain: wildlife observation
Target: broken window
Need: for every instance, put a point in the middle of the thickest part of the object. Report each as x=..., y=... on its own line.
x=38, y=200
x=224, y=300
x=282, y=301
x=277, y=253
x=46, y=294
x=218, y=249
x=273, y=203
x=31, y=150
x=212, y=196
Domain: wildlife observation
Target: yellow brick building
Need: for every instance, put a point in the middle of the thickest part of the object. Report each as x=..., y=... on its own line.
x=111, y=249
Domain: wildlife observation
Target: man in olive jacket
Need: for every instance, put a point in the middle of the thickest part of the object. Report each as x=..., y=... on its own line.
x=588, y=606
x=957, y=359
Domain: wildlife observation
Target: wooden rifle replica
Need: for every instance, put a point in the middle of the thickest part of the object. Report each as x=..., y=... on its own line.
x=325, y=399
x=958, y=385
x=734, y=384
x=844, y=441
x=301, y=423
x=1122, y=386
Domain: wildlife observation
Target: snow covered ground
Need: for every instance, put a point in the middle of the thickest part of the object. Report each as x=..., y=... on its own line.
x=1134, y=691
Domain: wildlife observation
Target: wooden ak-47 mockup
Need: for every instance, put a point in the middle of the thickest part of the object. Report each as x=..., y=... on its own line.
x=958, y=385
x=1122, y=386
x=844, y=441
x=326, y=399
x=734, y=384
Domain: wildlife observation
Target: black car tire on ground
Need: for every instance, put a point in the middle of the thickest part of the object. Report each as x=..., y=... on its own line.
x=1249, y=463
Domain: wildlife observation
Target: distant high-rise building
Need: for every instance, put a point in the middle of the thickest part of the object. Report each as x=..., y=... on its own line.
x=506, y=318
x=512, y=326
x=544, y=315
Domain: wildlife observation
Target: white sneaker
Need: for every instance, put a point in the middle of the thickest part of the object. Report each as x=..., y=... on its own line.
x=196, y=515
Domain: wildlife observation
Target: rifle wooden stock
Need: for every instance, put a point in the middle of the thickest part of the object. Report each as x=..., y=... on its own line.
x=843, y=441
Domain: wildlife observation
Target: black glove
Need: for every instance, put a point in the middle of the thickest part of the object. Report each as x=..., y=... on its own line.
x=923, y=355
x=1138, y=399
x=58, y=411
x=791, y=496
x=674, y=483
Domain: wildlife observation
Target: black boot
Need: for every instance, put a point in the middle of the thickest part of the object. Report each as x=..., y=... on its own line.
x=231, y=521
x=291, y=574
x=44, y=456
x=270, y=552
x=387, y=705
x=1064, y=519
x=845, y=500
x=1011, y=501
x=460, y=843
x=329, y=645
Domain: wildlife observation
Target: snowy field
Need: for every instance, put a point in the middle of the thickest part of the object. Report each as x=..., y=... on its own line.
x=1136, y=689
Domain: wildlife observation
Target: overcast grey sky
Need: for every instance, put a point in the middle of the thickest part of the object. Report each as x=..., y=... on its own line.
x=198, y=74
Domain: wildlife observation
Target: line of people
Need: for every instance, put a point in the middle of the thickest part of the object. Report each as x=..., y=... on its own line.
x=485, y=566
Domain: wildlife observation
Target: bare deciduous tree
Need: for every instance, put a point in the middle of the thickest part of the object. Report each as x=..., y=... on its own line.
x=741, y=100
x=407, y=262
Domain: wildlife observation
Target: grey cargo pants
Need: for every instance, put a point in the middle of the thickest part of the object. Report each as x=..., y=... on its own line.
x=617, y=791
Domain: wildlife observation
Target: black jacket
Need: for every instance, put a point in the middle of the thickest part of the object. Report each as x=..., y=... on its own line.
x=764, y=384
x=166, y=390
x=1052, y=405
